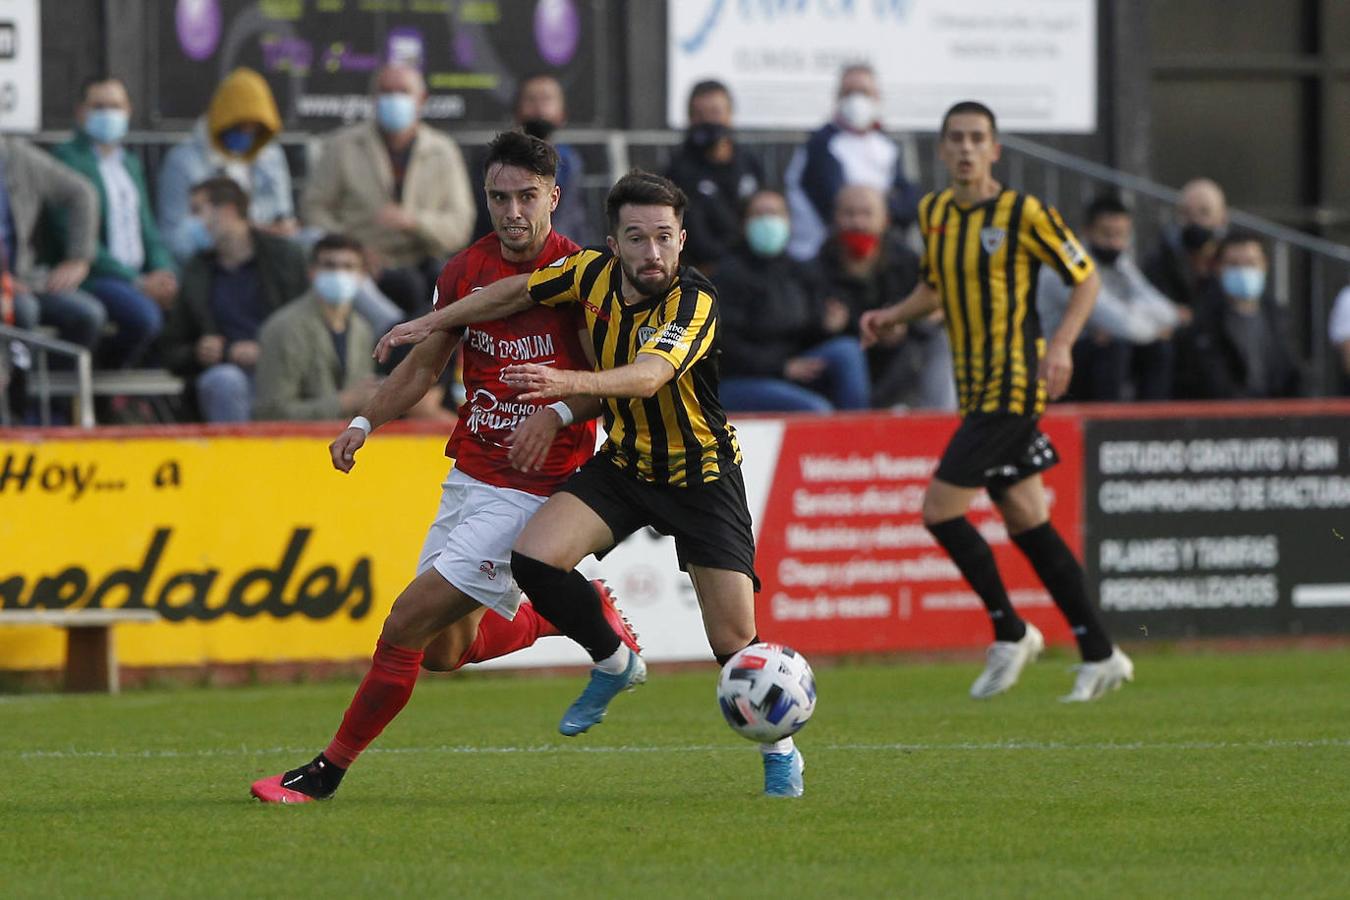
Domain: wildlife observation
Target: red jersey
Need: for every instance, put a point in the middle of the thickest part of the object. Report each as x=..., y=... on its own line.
x=537, y=335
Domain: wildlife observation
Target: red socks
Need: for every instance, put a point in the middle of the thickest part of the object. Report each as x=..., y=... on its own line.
x=498, y=636
x=381, y=696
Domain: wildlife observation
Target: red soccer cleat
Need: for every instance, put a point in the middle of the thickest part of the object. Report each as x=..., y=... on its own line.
x=270, y=790
x=617, y=620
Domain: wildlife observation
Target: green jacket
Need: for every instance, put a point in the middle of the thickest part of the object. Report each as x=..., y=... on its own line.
x=79, y=154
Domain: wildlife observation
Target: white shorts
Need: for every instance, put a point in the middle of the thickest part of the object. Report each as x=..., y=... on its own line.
x=470, y=541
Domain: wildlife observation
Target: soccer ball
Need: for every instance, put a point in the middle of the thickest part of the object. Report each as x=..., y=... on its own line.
x=767, y=692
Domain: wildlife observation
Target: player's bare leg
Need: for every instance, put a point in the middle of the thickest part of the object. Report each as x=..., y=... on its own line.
x=424, y=609
x=559, y=535
x=1027, y=514
x=727, y=601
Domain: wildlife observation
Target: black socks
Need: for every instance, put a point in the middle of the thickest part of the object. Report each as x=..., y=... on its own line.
x=569, y=601
x=723, y=657
x=971, y=554
x=1063, y=577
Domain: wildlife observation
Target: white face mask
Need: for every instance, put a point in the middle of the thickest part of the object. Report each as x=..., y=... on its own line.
x=857, y=111
x=336, y=286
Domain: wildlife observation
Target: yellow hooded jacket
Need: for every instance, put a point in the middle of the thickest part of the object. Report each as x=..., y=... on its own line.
x=243, y=97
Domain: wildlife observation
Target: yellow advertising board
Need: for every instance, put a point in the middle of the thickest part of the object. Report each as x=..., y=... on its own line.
x=250, y=545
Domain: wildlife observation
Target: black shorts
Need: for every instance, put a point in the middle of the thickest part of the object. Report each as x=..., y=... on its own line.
x=995, y=451
x=710, y=522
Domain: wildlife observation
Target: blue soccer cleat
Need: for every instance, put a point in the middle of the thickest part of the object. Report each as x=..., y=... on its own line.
x=590, y=707
x=783, y=774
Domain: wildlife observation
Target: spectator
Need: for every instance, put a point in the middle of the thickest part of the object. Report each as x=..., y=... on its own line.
x=1238, y=347
x=236, y=137
x=867, y=266
x=1126, y=352
x=540, y=110
x=1339, y=333
x=781, y=341
x=1184, y=258
x=31, y=182
x=715, y=174
x=133, y=273
x=396, y=185
x=851, y=149
x=315, y=360
x=243, y=275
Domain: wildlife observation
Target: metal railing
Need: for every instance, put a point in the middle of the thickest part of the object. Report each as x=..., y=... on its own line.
x=16, y=342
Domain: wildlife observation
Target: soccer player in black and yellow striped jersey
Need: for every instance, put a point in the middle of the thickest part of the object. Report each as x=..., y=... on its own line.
x=984, y=245
x=671, y=460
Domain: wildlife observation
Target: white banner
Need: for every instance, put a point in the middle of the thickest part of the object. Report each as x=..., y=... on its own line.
x=20, y=62
x=1034, y=62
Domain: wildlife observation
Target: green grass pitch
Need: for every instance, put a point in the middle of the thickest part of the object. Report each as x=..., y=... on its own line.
x=1213, y=775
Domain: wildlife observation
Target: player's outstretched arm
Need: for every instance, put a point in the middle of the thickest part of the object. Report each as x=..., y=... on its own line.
x=496, y=301
x=880, y=325
x=408, y=383
x=641, y=378
x=1056, y=366
x=531, y=440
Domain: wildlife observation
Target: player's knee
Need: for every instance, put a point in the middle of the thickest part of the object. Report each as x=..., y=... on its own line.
x=537, y=579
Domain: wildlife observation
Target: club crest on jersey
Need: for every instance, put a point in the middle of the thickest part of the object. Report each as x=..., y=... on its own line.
x=645, y=334
x=992, y=238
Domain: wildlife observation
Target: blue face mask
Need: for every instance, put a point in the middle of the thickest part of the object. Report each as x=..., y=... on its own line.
x=767, y=235
x=236, y=141
x=395, y=112
x=336, y=287
x=106, y=126
x=1243, y=282
x=198, y=235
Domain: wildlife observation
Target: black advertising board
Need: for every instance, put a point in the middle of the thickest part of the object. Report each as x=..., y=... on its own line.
x=318, y=55
x=1219, y=526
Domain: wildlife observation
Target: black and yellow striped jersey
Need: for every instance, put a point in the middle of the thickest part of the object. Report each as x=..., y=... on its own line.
x=984, y=261
x=680, y=436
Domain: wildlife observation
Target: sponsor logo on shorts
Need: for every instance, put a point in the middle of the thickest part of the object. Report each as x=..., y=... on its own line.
x=488, y=569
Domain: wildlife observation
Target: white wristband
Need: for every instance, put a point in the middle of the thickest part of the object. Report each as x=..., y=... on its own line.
x=564, y=412
x=363, y=423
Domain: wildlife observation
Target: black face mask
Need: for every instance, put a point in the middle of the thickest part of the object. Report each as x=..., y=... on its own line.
x=538, y=128
x=1193, y=237
x=1107, y=256
x=702, y=137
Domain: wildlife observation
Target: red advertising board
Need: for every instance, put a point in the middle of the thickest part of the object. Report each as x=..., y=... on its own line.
x=846, y=563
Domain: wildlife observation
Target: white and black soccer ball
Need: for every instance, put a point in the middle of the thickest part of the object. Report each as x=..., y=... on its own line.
x=767, y=692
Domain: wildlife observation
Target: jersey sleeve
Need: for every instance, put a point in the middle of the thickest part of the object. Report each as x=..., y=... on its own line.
x=1054, y=244
x=448, y=283
x=556, y=283
x=928, y=267
x=691, y=325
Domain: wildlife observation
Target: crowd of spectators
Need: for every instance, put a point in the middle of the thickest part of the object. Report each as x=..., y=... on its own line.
x=268, y=308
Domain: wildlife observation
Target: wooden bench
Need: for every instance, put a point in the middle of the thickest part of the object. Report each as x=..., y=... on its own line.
x=91, y=652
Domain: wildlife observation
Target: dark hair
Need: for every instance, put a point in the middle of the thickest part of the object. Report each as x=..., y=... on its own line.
x=1238, y=237
x=222, y=190
x=639, y=188
x=99, y=78
x=703, y=89
x=516, y=148
x=969, y=106
x=1105, y=205
x=335, y=241
x=529, y=78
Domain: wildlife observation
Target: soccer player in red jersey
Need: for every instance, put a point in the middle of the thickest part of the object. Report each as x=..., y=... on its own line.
x=510, y=455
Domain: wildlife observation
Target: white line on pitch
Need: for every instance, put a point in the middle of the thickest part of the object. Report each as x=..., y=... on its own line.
x=967, y=747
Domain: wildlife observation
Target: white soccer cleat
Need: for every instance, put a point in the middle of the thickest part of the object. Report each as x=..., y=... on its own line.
x=1096, y=679
x=1005, y=661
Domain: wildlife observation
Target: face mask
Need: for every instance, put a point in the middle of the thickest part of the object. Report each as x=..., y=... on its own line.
x=236, y=141
x=198, y=234
x=106, y=126
x=858, y=111
x=767, y=235
x=859, y=244
x=336, y=287
x=703, y=136
x=538, y=128
x=1243, y=282
x=395, y=112
x=1107, y=256
x=1193, y=237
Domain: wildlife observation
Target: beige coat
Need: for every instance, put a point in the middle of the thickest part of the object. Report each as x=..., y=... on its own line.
x=353, y=180
x=297, y=374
